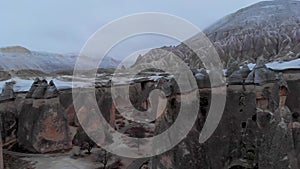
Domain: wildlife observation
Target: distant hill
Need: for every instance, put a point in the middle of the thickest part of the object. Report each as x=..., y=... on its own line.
x=20, y=58
x=15, y=49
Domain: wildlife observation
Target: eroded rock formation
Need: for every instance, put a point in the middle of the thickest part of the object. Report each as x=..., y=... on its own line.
x=42, y=121
x=249, y=134
x=7, y=92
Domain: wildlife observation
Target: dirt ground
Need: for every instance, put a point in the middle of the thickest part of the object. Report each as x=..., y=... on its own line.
x=62, y=162
x=57, y=161
x=12, y=162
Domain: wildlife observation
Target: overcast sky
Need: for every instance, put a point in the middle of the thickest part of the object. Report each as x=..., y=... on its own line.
x=63, y=26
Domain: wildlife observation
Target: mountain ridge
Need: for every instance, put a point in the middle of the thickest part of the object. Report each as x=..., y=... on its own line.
x=20, y=58
x=267, y=31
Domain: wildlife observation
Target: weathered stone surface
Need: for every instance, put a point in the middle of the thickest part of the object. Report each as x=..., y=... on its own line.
x=293, y=98
x=246, y=137
x=4, y=75
x=223, y=146
x=7, y=92
x=34, y=85
x=169, y=86
x=161, y=57
x=9, y=121
x=82, y=140
x=51, y=91
x=239, y=76
x=260, y=75
x=232, y=67
x=202, y=78
x=87, y=118
x=282, y=83
x=65, y=98
x=276, y=142
x=40, y=90
x=183, y=155
x=43, y=126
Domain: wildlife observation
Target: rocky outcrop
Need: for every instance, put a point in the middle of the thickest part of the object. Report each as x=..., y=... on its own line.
x=8, y=115
x=40, y=89
x=231, y=68
x=248, y=136
x=183, y=155
x=51, y=91
x=162, y=56
x=4, y=75
x=202, y=78
x=261, y=75
x=43, y=125
x=8, y=122
x=239, y=76
x=8, y=92
x=33, y=87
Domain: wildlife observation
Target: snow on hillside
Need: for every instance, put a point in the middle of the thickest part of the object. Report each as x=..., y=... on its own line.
x=280, y=66
x=22, y=85
x=44, y=61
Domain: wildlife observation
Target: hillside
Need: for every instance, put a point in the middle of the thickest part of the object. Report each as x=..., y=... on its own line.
x=268, y=31
x=20, y=58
